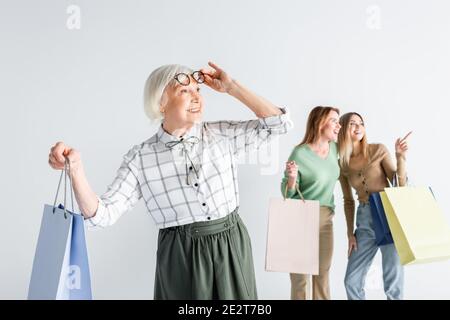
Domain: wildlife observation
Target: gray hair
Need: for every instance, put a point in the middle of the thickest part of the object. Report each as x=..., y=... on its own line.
x=156, y=82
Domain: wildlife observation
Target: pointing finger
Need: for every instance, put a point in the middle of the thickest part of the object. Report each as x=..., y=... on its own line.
x=409, y=133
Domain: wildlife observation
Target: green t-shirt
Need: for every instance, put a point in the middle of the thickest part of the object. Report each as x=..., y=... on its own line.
x=317, y=177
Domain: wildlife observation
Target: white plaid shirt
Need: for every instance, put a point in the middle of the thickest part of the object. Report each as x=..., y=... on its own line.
x=186, y=179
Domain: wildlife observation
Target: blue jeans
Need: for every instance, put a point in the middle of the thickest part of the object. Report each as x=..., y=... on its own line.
x=361, y=259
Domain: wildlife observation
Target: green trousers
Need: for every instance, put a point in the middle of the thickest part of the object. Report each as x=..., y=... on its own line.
x=205, y=260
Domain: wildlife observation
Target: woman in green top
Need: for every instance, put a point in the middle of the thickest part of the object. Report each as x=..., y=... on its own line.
x=313, y=165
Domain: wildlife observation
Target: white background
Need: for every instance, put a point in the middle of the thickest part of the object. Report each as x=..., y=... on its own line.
x=388, y=60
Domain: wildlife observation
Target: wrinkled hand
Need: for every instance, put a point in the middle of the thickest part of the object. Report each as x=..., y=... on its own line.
x=216, y=78
x=59, y=152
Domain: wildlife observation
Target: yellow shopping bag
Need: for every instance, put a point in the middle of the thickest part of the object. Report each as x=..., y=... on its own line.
x=418, y=226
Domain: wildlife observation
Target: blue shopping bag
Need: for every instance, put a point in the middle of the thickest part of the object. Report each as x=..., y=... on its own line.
x=60, y=267
x=383, y=234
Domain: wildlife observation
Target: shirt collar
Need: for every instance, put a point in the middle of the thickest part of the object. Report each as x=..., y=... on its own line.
x=165, y=137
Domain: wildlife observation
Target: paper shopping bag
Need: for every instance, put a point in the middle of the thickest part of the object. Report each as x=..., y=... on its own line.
x=293, y=236
x=418, y=226
x=383, y=235
x=60, y=266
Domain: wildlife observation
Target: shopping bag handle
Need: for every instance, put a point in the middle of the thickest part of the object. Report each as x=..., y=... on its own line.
x=298, y=190
x=66, y=173
x=394, y=179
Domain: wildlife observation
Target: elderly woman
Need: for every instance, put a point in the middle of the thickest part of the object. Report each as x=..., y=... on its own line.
x=187, y=175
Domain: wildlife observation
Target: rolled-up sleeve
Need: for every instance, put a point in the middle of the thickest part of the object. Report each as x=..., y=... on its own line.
x=121, y=196
x=245, y=136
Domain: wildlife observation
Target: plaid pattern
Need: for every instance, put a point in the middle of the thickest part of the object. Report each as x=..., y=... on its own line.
x=158, y=173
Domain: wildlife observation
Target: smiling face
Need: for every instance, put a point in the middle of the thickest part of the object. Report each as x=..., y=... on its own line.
x=331, y=126
x=356, y=130
x=182, y=105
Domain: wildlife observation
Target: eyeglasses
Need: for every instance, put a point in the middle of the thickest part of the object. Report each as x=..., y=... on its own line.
x=184, y=79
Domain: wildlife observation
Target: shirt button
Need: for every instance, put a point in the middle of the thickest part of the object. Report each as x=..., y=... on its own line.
x=203, y=204
x=190, y=168
x=196, y=184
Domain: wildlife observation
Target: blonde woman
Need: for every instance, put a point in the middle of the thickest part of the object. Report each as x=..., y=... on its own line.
x=313, y=166
x=365, y=167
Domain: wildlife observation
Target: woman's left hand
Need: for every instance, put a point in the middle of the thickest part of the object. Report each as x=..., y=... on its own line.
x=401, y=146
x=216, y=78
